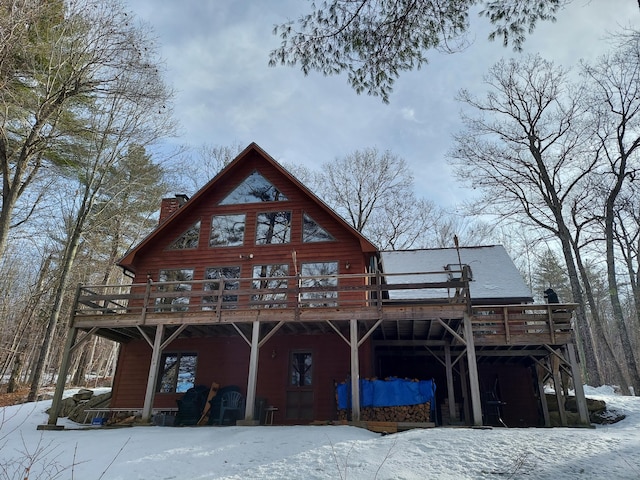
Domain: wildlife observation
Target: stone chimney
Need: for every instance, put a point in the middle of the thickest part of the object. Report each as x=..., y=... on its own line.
x=169, y=206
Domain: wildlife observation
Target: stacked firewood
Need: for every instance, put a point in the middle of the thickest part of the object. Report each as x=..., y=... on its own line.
x=403, y=413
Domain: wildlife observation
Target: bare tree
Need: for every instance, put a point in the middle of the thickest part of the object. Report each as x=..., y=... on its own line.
x=615, y=102
x=525, y=150
x=373, y=191
x=129, y=110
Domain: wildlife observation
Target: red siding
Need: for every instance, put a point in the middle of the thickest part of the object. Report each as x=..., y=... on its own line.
x=225, y=360
x=345, y=249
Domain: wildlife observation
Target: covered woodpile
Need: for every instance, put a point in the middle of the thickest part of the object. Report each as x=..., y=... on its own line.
x=405, y=413
x=389, y=400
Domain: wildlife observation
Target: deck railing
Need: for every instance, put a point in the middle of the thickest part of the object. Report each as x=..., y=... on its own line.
x=522, y=324
x=291, y=292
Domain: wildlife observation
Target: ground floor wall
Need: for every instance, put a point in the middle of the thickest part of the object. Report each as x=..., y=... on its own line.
x=225, y=360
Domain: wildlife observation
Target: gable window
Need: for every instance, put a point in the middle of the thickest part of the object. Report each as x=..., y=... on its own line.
x=269, y=277
x=313, y=232
x=230, y=276
x=188, y=239
x=177, y=372
x=176, y=282
x=227, y=230
x=273, y=228
x=319, y=275
x=255, y=188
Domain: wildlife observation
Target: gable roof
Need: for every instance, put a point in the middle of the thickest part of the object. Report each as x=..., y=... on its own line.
x=127, y=261
x=495, y=278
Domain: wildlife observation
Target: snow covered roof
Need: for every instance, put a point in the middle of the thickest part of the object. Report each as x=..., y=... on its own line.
x=495, y=278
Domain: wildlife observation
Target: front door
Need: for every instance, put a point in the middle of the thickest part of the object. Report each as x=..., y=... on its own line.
x=300, y=386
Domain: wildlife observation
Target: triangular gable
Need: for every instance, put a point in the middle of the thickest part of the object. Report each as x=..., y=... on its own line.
x=128, y=260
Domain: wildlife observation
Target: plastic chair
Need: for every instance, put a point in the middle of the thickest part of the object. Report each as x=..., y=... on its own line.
x=230, y=402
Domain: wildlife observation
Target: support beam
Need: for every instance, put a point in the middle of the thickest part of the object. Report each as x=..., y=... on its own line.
x=474, y=384
x=453, y=412
x=253, y=372
x=62, y=377
x=581, y=400
x=355, y=371
x=153, y=374
x=540, y=374
x=557, y=385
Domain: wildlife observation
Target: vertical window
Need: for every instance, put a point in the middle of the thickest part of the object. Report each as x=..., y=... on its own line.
x=301, y=369
x=230, y=276
x=227, y=230
x=268, y=278
x=176, y=282
x=178, y=372
x=321, y=276
x=273, y=227
x=313, y=232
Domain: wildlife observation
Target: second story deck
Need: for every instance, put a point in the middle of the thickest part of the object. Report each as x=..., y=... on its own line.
x=429, y=310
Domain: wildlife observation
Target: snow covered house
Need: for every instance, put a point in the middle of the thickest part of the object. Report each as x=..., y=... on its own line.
x=254, y=282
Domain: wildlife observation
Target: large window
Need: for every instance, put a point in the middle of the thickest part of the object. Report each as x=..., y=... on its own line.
x=323, y=276
x=176, y=283
x=230, y=276
x=177, y=372
x=269, y=277
x=273, y=228
x=255, y=188
x=227, y=230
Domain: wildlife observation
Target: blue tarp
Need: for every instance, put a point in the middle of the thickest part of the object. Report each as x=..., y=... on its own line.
x=393, y=392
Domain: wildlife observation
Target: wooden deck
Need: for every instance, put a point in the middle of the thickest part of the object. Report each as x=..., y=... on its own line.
x=429, y=310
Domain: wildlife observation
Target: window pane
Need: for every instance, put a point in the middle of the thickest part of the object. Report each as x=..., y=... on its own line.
x=174, y=303
x=178, y=372
x=319, y=275
x=269, y=277
x=301, y=369
x=312, y=232
x=169, y=373
x=273, y=227
x=186, y=372
x=255, y=188
x=216, y=273
x=188, y=239
x=227, y=230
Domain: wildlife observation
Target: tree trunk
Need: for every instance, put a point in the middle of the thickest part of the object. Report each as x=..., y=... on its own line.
x=618, y=315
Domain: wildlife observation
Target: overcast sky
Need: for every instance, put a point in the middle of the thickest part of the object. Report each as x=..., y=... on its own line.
x=216, y=54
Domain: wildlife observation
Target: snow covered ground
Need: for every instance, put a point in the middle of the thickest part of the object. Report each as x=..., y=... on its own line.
x=320, y=452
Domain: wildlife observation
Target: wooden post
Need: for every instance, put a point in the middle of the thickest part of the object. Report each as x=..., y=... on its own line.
x=153, y=374
x=253, y=372
x=581, y=400
x=355, y=371
x=62, y=377
x=543, y=397
x=453, y=412
x=465, y=393
x=557, y=384
x=474, y=384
